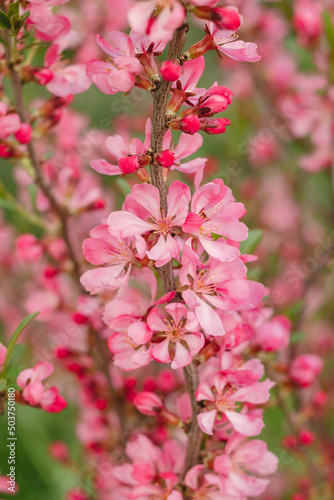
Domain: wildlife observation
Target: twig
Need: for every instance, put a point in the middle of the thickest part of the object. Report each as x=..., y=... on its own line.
x=160, y=100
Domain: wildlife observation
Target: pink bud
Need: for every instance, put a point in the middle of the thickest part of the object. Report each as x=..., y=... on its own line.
x=128, y=164
x=190, y=124
x=43, y=76
x=306, y=437
x=170, y=70
x=166, y=158
x=229, y=18
x=80, y=319
x=23, y=135
x=6, y=151
x=148, y=403
x=59, y=451
x=98, y=204
x=215, y=126
x=305, y=369
x=50, y=272
x=62, y=353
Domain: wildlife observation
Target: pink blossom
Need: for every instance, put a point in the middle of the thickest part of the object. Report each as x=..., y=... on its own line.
x=273, y=335
x=170, y=71
x=103, y=249
x=141, y=214
x=67, y=79
x=127, y=154
x=214, y=212
x=222, y=285
x=160, y=24
x=48, y=27
x=119, y=74
x=34, y=392
x=227, y=391
x=245, y=466
x=182, y=338
x=305, y=369
x=28, y=248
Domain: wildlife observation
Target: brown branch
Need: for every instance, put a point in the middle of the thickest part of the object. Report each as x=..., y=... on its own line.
x=36, y=165
x=160, y=100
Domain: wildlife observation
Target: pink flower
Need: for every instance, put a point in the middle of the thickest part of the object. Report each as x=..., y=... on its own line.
x=182, y=340
x=34, y=392
x=119, y=74
x=186, y=147
x=156, y=19
x=104, y=249
x=244, y=465
x=223, y=41
x=67, y=79
x=127, y=154
x=9, y=122
x=305, y=369
x=214, y=212
x=239, y=50
x=154, y=471
x=48, y=27
x=227, y=390
x=141, y=214
x=273, y=335
x=28, y=248
x=219, y=284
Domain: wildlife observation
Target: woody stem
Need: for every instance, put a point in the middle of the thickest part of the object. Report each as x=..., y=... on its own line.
x=160, y=100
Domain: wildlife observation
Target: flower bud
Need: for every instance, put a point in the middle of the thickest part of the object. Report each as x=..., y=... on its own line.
x=128, y=164
x=148, y=403
x=42, y=76
x=171, y=70
x=190, y=124
x=23, y=135
x=225, y=18
x=214, y=126
x=166, y=158
x=306, y=437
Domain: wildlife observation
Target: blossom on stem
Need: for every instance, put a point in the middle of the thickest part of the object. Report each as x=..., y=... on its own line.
x=179, y=328
x=33, y=391
x=228, y=389
x=141, y=215
x=245, y=465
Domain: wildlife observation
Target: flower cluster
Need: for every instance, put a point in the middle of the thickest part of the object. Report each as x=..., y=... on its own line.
x=167, y=342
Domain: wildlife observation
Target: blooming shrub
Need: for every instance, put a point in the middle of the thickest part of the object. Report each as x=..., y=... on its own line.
x=142, y=289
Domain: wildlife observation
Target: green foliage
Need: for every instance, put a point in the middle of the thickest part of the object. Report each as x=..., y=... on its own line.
x=12, y=342
x=254, y=239
x=4, y=20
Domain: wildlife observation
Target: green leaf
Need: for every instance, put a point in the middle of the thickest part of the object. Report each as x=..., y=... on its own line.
x=4, y=20
x=17, y=22
x=297, y=337
x=250, y=245
x=14, y=339
x=3, y=384
x=13, y=9
x=17, y=352
x=215, y=236
x=123, y=186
